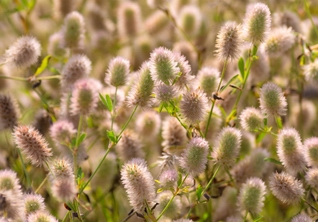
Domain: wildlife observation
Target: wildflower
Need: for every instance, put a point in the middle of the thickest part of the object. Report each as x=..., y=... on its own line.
x=228, y=146
x=311, y=71
x=228, y=41
x=138, y=183
x=311, y=151
x=208, y=80
x=290, y=150
x=64, y=189
x=194, y=158
x=303, y=115
x=184, y=77
x=73, y=30
x=156, y=22
x=251, y=119
x=142, y=92
x=190, y=19
x=257, y=23
x=288, y=19
x=12, y=205
x=163, y=67
x=279, y=41
x=117, y=72
x=301, y=218
x=252, y=194
x=168, y=179
x=84, y=97
x=24, y=52
x=286, y=188
x=312, y=177
x=63, y=131
x=174, y=136
x=129, y=146
x=41, y=216
x=214, y=127
x=33, y=203
x=61, y=169
x=31, y=142
x=194, y=106
x=148, y=123
x=173, y=210
x=128, y=19
x=165, y=93
x=272, y=100
x=9, y=182
x=8, y=113
x=55, y=46
x=226, y=204
x=77, y=67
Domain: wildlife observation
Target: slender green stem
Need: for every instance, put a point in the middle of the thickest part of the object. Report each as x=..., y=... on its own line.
x=310, y=16
x=314, y=208
x=172, y=198
x=182, y=124
x=49, y=77
x=24, y=169
x=92, y=144
x=14, y=78
x=114, y=109
x=245, y=217
x=213, y=101
x=66, y=215
x=126, y=124
x=75, y=149
x=41, y=185
x=210, y=181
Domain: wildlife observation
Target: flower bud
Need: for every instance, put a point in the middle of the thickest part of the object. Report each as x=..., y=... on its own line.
x=163, y=67
x=251, y=119
x=289, y=19
x=41, y=216
x=12, y=205
x=129, y=146
x=61, y=169
x=312, y=177
x=117, y=72
x=194, y=106
x=73, y=30
x=290, y=150
x=8, y=113
x=156, y=22
x=257, y=23
x=63, y=131
x=165, y=93
x=184, y=77
x=128, y=19
x=279, y=41
x=77, y=67
x=286, y=188
x=64, y=189
x=301, y=218
x=33, y=203
x=168, y=179
x=55, y=46
x=32, y=144
x=311, y=151
x=228, y=146
x=194, y=158
x=148, y=124
x=24, y=52
x=272, y=100
x=10, y=182
x=251, y=196
x=208, y=80
x=138, y=183
x=190, y=20
x=228, y=41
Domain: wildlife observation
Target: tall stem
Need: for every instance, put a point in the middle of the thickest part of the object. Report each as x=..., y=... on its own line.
x=210, y=181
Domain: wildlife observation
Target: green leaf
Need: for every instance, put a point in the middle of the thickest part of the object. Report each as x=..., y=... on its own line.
x=229, y=82
x=198, y=192
x=279, y=122
x=80, y=174
x=272, y=160
x=103, y=100
x=109, y=103
x=260, y=137
x=43, y=65
x=159, y=190
x=265, y=121
x=241, y=67
x=179, y=179
x=111, y=135
x=81, y=138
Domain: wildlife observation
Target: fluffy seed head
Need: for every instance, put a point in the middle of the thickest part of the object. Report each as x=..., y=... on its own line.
x=163, y=67
x=272, y=100
x=286, y=188
x=117, y=72
x=8, y=113
x=156, y=22
x=41, y=216
x=32, y=144
x=184, y=77
x=208, y=79
x=24, y=52
x=251, y=196
x=12, y=205
x=165, y=93
x=279, y=41
x=33, y=203
x=174, y=136
x=215, y=127
x=64, y=189
x=9, y=181
x=55, y=46
x=251, y=119
x=138, y=183
x=301, y=218
x=190, y=19
x=129, y=146
x=194, y=158
x=311, y=151
x=288, y=19
x=228, y=146
x=312, y=177
x=84, y=97
x=73, y=30
x=290, y=150
x=141, y=93
x=173, y=210
x=194, y=106
x=128, y=19
x=229, y=41
x=257, y=23
x=168, y=179
x=148, y=123
x=61, y=169
x=311, y=71
x=62, y=131
x=77, y=67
